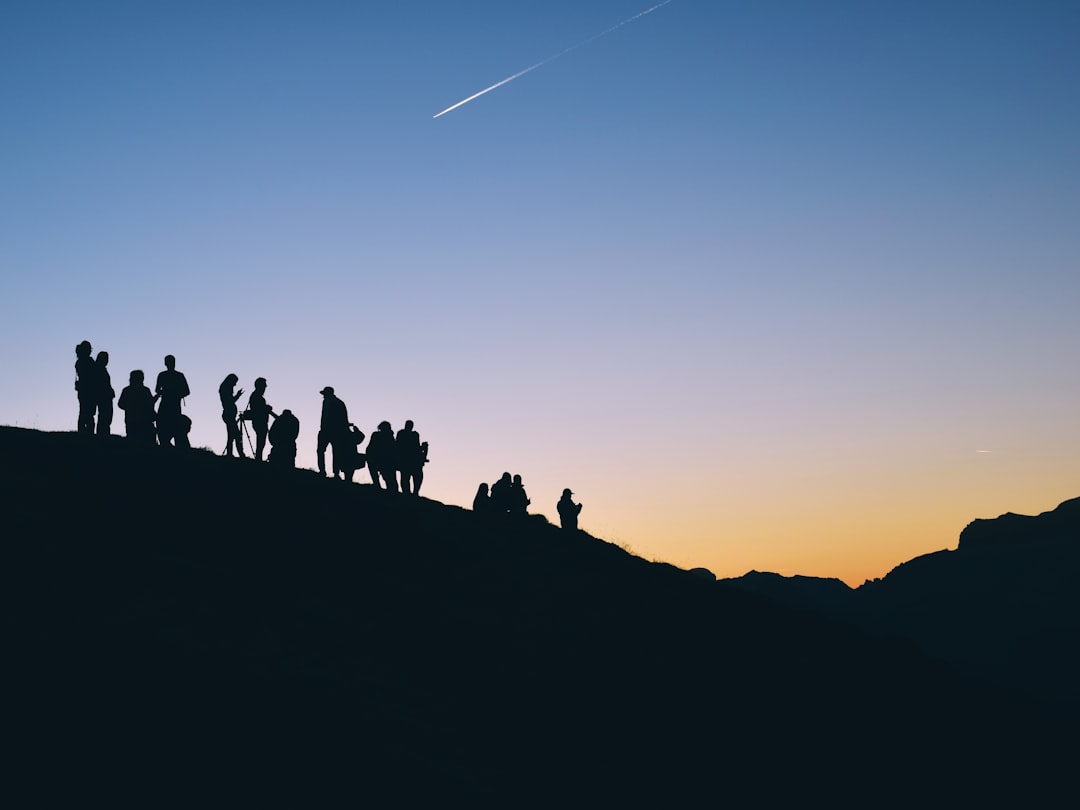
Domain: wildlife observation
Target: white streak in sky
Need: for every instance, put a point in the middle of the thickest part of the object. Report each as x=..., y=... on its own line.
x=552, y=58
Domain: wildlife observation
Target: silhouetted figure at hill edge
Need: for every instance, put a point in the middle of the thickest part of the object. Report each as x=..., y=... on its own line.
x=502, y=495
x=137, y=403
x=412, y=456
x=230, y=416
x=382, y=457
x=86, y=378
x=105, y=394
x=333, y=430
x=481, y=502
x=169, y=392
x=283, y=434
x=568, y=511
x=258, y=412
x=519, y=501
x=351, y=457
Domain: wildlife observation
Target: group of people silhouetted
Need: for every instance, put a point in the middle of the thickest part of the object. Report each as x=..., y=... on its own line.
x=507, y=498
x=165, y=425
x=157, y=418
x=394, y=461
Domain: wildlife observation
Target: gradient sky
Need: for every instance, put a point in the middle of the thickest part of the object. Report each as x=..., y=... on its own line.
x=783, y=286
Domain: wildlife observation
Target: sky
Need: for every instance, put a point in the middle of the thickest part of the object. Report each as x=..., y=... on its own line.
x=770, y=285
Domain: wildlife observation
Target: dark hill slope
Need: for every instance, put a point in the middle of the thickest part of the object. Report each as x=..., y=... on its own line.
x=176, y=620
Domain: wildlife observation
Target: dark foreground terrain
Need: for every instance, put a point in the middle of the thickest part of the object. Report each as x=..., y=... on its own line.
x=179, y=626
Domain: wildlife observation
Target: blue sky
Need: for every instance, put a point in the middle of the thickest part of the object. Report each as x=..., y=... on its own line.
x=755, y=279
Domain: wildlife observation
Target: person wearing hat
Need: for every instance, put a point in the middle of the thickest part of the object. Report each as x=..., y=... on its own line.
x=568, y=511
x=333, y=429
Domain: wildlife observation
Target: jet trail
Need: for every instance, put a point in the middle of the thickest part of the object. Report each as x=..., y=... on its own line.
x=563, y=52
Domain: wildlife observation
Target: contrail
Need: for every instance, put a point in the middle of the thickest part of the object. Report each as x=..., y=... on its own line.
x=551, y=58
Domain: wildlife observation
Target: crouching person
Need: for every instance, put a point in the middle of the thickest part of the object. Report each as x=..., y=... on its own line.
x=282, y=437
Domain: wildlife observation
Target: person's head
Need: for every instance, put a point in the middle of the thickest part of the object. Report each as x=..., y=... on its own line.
x=505, y=477
x=408, y=424
x=566, y=493
x=517, y=479
x=260, y=384
x=482, y=489
x=136, y=377
x=229, y=382
x=385, y=426
x=170, y=362
x=327, y=392
x=103, y=358
x=83, y=349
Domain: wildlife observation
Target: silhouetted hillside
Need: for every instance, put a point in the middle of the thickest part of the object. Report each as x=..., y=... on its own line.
x=182, y=624
x=1004, y=605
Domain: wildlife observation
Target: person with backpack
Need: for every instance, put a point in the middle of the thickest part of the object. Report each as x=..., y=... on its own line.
x=412, y=456
x=282, y=435
x=333, y=430
x=351, y=457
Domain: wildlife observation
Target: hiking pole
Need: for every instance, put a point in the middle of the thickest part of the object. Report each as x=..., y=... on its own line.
x=251, y=447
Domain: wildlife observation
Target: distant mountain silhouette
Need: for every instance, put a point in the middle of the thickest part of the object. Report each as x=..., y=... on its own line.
x=1004, y=605
x=183, y=624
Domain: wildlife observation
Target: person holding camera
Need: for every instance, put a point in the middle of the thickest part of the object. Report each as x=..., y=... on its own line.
x=258, y=413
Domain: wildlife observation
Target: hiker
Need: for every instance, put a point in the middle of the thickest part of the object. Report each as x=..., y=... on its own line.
x=568, y=511
x=258, y=412
x=282, y=436
x=412, y=456
x=519, y=501
x=382, y=457
x=105, y=395
x=351, y=457
x=137, y=403
x=481, y=502
x=169, y=392
x=333, y=429
x=501, y=495
x=86, y=384
x=230, y=416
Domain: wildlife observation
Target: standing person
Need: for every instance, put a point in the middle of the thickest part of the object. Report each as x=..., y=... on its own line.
x=382, y=457
x=519, y=501
x=283, y=435
x=137, y=403
x=333, y=429
x=171, y=388
x=412, y=455
x=86, y=384
x=106, y=395
x=259, y=413
x=501, y=495
x=229, y=415
x=481, y=502
x=568, y=511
